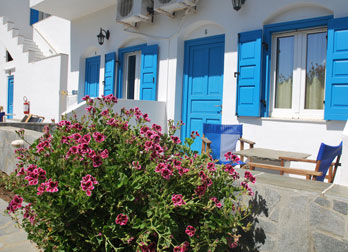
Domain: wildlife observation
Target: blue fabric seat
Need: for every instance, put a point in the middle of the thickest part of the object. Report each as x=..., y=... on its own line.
x=221, y=139
x=325, y=159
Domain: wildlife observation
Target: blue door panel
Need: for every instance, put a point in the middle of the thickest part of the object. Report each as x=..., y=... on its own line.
x=10, y=97
x=203, y=85
x=249, y=77
x=148, y=80
x=92, y=76
x=336, y=90
x=109, y=77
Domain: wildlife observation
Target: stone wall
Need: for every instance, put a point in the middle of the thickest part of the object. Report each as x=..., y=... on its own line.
x=296, y=215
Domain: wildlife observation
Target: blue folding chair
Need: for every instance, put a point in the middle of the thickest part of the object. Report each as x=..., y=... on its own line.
x=325, y=167
x=220, y=139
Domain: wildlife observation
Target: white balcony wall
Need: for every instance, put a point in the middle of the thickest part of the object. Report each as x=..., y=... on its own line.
x=52, y=35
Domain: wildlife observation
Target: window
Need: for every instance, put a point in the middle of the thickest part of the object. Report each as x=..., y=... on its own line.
x=295, y=69
x=131, y=77
x=36, y=16
x=298, y=74
x=137, y=72
x=8, y=57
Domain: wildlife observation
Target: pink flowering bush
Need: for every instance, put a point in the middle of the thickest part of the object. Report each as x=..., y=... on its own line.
x=102, y=184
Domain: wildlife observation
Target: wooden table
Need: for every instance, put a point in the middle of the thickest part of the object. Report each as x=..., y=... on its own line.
x=269, y=154
x=270, y=157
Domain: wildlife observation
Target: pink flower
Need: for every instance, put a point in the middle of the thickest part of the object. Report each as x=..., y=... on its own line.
x=156, y=127
x=211, y=166
x=175, y=139
x=86, y=98
x=136, y=165
x=64, y=123
x=86, y=139
x=15, y=204
x=178, y=200
x=87, y=184
x=249, y=176
x=121, y=219
x=105, y=112
x=51, y=186
x=194, y=134
x=97, y=161
x=90, y=109
x=41, y=189
x=217, y=202
x=148, y=145
x=104, y=154
x=190, y=231
x=200, y=190
x=146, y=117
x=166, y=173
x=98, y=137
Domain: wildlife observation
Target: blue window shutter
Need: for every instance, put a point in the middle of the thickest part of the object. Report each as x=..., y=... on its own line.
x=109, y=76
x=249, y=77
x=148, y=79
x=34, y=16
x=336, y=89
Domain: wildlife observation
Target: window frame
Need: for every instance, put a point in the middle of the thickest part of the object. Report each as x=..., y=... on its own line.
x=268, y=31
x=299, y=76
x=126, y=56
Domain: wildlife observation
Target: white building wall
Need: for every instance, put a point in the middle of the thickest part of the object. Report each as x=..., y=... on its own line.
x=19, y=12
x=42, y=79
x=212, y=17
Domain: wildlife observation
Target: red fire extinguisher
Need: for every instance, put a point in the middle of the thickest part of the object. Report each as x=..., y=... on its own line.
x=26, y=105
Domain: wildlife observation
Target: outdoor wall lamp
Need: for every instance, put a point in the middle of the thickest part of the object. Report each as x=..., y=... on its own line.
x=101, y=36
x=237, y=4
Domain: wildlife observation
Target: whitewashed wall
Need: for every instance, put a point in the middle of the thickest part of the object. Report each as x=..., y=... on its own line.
x=212, y=17
x=19, y=12
x=156, y=110
x=41, y=81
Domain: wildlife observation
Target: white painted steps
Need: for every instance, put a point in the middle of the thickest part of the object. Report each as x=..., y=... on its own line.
x=25, y=45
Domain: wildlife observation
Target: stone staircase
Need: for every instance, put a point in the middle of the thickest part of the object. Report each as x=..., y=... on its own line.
x=21, y=45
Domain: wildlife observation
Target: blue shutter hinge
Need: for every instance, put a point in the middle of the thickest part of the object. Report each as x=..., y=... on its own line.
x=265, y=45
x=263, y=102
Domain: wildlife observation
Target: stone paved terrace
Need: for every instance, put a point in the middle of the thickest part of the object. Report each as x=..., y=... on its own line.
x=299, y=215
x=12, y=239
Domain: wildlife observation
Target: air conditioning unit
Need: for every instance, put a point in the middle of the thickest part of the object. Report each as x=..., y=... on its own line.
x=130, y=12
x=171, y=6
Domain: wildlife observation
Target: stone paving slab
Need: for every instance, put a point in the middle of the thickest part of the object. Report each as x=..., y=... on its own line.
x=12, y=239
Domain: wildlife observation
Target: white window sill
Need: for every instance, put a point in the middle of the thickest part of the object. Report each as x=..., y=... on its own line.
x=302, y=120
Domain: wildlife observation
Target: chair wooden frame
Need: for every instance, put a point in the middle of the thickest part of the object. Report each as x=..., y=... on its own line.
x=310, y=175
x=206, y=145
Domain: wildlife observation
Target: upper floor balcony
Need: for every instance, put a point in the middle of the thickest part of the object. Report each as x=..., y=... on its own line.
x=70, y=9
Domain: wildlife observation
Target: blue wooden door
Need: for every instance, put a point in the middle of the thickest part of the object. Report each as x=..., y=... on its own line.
x=203, y=84
x=92, y=76
x=10, y=97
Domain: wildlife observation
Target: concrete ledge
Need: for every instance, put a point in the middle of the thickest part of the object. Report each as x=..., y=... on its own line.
x=29, y=126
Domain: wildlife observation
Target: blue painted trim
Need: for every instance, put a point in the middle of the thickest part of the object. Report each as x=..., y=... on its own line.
x=91, y=59
x=121, y=53
x=10, y=90
x=187, y=45
x=267, y=38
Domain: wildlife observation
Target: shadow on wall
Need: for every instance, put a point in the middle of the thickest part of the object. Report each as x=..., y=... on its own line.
x=251, y=240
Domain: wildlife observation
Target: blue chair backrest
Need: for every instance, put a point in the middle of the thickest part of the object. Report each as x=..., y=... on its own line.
x=326, y=156
x=224, y=138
